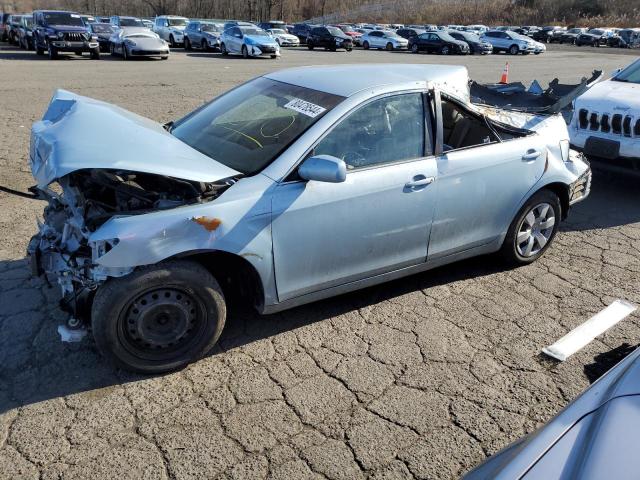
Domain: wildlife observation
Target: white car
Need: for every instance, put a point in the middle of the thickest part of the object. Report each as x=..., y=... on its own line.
x=171, y=29
x=539, y=47
x=249, y=41
x=509, y=42
x=606, y=120
x=283, y=38
x=383, y=39
x=138, y=42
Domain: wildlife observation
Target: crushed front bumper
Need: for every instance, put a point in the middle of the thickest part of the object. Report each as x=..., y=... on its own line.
x=580, y=189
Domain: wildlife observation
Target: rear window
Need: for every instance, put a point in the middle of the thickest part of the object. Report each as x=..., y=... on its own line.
x=131, y=22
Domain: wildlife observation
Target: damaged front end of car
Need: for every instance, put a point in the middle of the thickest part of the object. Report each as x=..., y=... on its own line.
x=84, y=191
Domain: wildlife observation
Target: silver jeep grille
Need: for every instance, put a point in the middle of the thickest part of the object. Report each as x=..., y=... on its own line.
x=74, y=37
x=616, y=123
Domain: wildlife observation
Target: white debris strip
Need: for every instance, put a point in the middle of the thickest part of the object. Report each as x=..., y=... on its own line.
x=585, y=333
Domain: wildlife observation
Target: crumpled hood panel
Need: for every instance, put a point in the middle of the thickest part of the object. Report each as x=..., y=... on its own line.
x=78, y=132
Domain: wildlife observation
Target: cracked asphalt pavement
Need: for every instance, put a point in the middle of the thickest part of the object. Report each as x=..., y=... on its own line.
x=422, y=377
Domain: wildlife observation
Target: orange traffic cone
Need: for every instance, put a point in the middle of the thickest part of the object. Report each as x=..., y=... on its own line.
x=504, y=79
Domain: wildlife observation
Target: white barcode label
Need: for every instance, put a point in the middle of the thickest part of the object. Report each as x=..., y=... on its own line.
x=306, y=108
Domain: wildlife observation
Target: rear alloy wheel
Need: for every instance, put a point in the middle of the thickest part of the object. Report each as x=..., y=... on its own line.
x=389, y=46
x=513, y=50
x=444, y=50
x=365, y=45
x=159, y=318
x=533, y=229
x=414, y=48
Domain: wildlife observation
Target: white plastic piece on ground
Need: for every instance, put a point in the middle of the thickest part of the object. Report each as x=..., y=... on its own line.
x=69, y=335
x=585, y=333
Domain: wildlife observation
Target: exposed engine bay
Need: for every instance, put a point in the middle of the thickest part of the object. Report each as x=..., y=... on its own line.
x=81, y=202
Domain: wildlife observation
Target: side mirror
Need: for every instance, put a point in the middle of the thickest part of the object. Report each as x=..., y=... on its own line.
x=323, y=168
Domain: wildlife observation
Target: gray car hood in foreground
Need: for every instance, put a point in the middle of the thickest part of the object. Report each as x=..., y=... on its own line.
x=78, y=133
x=594, y=437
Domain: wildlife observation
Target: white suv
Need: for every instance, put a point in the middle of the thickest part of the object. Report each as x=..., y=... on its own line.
x=510, y=42
x=171, y=29
x=606, y=120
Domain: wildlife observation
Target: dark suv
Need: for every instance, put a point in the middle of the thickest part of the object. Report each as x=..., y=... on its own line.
x=330, y=38
x=302, y=31
x=58, y=31
x=4, y=19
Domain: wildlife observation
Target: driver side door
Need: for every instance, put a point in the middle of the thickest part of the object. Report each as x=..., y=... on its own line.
x=378, y=220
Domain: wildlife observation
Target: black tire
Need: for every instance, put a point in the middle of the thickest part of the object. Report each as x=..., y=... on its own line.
x=445, y=50
x=172, y=41
x=509, y=250
x=187, y=43
x=389, y=46
x=365, y=45
x=223, y=49
x=53, y=52
x=39, y=51
x=204, y=46
x=159, y=318
x=513, y=50
x=112, y=50
x=274, y=57
x=125, y=54
x=310, y=45
x=245, y=52
x=164, y=58
x=95, y=53
x=414, y=48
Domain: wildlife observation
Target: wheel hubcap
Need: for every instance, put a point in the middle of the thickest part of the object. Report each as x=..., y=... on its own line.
x=535, y=230
x=161, y=320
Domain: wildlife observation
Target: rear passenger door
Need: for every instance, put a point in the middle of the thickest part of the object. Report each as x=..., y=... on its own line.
x=481, y=180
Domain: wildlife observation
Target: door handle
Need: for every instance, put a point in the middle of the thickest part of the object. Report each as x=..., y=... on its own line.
x=531, y=154
x=419, y=181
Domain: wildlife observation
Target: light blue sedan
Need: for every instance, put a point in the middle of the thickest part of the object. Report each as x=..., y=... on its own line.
x=296, y=186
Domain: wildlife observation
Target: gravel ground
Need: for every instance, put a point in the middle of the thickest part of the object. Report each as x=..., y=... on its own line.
x=418, y=378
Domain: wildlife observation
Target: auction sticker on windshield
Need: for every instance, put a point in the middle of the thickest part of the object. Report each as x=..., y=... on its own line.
x=306, y=108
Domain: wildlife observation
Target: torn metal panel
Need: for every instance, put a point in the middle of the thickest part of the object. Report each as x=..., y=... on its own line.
x=515, y=96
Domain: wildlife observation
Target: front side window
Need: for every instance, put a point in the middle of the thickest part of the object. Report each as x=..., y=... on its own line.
x=249, y=127
x=387, y=130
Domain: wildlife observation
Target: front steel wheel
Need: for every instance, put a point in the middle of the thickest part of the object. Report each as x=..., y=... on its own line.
x=533, y=229
x=159, y=318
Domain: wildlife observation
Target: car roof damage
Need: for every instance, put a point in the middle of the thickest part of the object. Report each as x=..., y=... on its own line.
x=515, y=96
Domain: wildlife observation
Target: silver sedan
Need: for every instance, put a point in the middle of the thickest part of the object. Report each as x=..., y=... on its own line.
x=138, y=42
